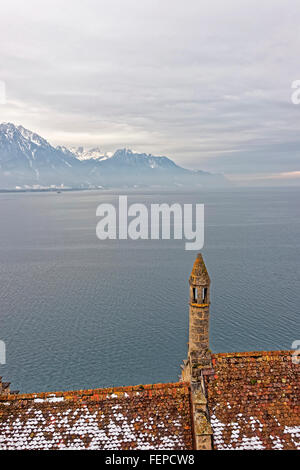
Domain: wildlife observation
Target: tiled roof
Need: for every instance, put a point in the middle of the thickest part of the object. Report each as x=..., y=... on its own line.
x=254, y=400
x=142, y=417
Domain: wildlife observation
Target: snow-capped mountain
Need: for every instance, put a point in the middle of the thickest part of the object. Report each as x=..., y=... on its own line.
x=92, y=154
x=128, y=158
x=27, y=158
x=29, y=161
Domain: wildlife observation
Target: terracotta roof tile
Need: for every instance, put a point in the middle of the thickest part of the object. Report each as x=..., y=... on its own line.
x=124, y=418
x=254, y=400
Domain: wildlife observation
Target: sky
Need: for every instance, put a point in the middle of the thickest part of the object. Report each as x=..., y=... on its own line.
x=208, y=84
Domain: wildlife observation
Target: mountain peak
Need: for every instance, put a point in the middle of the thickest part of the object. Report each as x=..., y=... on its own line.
x=124, y=152
x=32, y=136
x=91, y=154
x=11, y=131
x=8, y=129
x=132, y=158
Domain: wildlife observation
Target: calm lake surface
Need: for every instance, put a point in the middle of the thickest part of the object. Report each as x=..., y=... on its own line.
x=76, y=312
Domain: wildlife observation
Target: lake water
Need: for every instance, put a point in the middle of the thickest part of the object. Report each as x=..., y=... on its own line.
x=76, y=312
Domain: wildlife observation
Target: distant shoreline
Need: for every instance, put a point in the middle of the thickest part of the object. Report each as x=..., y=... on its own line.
x=47, y=190
x=150, y=190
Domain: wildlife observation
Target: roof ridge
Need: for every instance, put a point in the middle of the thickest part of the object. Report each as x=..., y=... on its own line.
x=89, y=392
x=254, y=353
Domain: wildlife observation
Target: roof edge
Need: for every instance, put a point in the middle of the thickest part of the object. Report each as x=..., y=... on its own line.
x=103, y=392
x=254, y=354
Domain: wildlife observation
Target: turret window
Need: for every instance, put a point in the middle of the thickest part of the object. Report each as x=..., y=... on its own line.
x=199, y=295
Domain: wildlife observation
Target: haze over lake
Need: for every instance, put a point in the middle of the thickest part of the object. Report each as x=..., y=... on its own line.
x=76, y=312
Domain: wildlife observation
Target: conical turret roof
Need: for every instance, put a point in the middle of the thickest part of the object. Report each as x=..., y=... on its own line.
x=199, y=272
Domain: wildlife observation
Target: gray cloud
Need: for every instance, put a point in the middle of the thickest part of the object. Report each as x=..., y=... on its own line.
x=207, y=84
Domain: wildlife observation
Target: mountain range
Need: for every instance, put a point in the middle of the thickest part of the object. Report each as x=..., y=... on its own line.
x=28, y=161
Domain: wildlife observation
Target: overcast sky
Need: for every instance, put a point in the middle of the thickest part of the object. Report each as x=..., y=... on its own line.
x=205, y=83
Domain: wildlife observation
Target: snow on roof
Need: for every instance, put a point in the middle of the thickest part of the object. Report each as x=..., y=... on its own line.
x=254, y=400
x=143, y=417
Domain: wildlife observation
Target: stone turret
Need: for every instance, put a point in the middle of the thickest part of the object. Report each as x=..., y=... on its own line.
x=199, y=361
x=199, y=352
x=199, y=355
x=4, y=387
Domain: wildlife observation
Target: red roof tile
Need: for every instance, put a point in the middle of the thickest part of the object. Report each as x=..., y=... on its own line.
x=141, y=417
x=254, y=400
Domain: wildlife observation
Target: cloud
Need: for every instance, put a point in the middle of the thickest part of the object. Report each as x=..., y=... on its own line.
x=288, y=175
x=207, y=83
x=281, y=179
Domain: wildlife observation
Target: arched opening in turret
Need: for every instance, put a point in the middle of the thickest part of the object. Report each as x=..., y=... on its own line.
x=195, y=293
x=204, y=295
